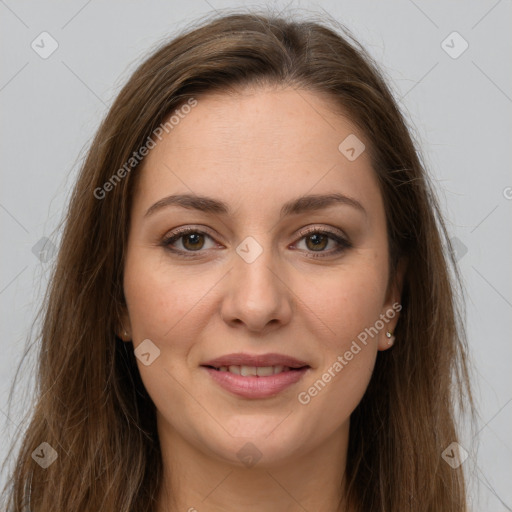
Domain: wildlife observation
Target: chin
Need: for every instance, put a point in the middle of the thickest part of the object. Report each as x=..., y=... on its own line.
x=259, y=442
x=257, y=453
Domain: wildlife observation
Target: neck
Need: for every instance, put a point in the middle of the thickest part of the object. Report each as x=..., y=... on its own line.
x=196, y=482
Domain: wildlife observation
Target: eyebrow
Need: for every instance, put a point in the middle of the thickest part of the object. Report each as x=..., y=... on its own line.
x=293, y=207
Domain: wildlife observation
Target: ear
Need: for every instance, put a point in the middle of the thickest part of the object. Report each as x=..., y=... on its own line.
x=392, y=307
x=124, y=329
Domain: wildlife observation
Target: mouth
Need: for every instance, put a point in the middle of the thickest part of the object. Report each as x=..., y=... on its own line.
x=256, y=371
x=256, y=376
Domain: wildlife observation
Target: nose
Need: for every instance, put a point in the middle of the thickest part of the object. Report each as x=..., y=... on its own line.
x=257, y=294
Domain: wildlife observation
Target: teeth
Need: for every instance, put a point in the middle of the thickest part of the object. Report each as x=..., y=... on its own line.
x=252, y=371
x=247, y=370
x=264, y=371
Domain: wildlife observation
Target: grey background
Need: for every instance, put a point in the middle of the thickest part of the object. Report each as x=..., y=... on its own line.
x=460, y=109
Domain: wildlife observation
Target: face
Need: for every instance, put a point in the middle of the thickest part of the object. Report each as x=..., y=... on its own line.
x=290, y=297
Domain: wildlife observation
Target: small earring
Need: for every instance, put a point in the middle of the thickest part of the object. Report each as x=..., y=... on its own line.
x=390, y=337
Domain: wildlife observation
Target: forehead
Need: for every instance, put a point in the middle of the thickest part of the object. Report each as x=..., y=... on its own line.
x=263, y=143
x=288, y=123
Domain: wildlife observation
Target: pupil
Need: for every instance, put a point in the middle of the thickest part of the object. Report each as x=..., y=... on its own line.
x=192, y=239
x=317, y=240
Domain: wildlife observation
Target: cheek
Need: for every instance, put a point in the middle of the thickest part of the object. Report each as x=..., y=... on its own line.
x=345, y=302
x=159, y=298
x=347, y=305
x=337, y=388
x=165, y=307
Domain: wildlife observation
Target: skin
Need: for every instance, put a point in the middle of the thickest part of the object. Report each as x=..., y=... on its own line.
x=256, y=150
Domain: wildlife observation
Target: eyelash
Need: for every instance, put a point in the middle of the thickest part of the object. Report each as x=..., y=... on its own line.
x=343, y=244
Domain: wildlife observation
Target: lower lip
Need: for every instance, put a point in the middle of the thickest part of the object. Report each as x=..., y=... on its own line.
x=256, y=387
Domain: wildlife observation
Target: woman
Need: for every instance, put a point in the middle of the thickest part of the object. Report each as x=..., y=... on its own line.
x=252, y=308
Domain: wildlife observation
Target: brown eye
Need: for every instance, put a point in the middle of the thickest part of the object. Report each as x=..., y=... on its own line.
x=193, y=241
x=318, y=242
x=187, y=240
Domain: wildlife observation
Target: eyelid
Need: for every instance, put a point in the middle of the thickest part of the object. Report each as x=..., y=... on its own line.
x=328, y=231
x=195, y=228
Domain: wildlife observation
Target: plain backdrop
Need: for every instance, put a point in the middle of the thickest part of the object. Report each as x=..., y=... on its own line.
x=455, y=88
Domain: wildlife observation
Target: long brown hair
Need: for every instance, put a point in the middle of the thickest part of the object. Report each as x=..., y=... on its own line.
x=91, y=405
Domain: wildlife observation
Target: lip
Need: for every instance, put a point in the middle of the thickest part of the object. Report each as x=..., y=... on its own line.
x=255, y=387
x=241, y=359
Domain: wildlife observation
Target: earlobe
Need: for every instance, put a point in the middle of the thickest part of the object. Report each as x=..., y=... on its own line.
x=386, y=340
x=124, y=329
x=391, y=317
x=390, y=338
x=124, y=335
x=393, y=306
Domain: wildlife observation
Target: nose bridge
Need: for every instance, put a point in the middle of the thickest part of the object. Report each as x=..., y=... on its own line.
x=256, y=294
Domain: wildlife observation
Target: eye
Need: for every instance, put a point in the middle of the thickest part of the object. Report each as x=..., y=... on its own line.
x=317, y=239
x=191, y=240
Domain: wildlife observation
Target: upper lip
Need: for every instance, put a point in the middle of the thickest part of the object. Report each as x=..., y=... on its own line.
x=241, y=359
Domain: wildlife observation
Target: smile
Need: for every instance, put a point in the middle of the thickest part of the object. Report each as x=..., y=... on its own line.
x=262, y=376
x=257, y=371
